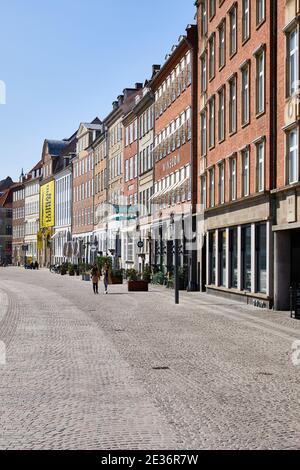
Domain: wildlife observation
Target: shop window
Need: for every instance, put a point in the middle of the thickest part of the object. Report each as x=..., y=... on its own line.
x=261, y=258
x=246, y=257
x=222, y=257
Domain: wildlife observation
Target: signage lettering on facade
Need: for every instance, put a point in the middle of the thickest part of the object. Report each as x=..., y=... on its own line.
x=47, y=205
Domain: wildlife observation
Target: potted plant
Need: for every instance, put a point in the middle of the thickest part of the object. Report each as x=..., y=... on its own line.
x=147, y=273
x=85, y=272
x=63, y=269
x=71, y=270
x=134, y=283
x=158, y=278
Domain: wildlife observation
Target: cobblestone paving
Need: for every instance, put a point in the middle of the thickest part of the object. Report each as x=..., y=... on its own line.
x=135, y=371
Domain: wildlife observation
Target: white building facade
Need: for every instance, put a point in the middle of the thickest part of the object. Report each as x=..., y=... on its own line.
x=32, y=212
x=63, y=215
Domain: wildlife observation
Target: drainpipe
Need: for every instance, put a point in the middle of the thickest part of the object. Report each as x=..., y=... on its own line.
x=273, y=141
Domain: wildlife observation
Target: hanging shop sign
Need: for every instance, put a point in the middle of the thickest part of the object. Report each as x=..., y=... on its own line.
x=47, y=205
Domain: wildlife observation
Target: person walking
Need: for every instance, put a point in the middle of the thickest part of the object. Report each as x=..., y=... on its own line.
x=95, y=279
x=105, y=276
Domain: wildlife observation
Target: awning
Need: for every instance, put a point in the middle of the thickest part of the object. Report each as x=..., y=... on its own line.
x=59, y=232
x=156, y=195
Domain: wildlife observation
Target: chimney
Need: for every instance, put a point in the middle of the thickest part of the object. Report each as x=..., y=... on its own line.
x=155, y=69
x=115, y=105
x=120, y=99
x=138, y=86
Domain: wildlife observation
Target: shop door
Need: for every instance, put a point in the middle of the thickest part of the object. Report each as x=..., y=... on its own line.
x=295, y=257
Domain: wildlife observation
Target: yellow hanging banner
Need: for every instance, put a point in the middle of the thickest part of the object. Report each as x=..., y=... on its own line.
x=47, y=194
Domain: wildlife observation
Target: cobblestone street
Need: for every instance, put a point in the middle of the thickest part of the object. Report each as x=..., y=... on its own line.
x=134, y=371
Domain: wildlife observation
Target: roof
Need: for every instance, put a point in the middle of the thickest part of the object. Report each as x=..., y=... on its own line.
x=6, y=183
x=37, y=166
x=92, y=127
x=56, y=146
x=3, y=197
x=185, y=41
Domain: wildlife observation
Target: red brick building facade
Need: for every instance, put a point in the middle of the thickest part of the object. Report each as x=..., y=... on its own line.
x=83, y=190
x=236, y=146
x=175, y=145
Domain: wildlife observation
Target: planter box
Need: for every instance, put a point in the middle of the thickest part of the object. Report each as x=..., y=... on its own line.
x=115, y=280
x=138, y=286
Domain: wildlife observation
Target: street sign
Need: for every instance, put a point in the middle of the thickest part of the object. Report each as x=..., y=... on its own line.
x=140, y=244
x=93, y=248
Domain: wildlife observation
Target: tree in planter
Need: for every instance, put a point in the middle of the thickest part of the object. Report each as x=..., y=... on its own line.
x=158, y=278
x=135, y=284
x=147, y=273
x=64, y=269
x=132, y=274
x=71, y=270
x=102, y=260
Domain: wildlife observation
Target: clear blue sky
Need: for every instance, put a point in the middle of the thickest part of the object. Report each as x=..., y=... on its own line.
x=65, y=61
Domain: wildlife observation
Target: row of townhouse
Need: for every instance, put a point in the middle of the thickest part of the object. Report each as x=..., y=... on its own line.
x=211, y=141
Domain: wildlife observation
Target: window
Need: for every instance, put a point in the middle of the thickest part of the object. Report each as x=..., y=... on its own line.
x=211, y=187
x=222, y=257
x=178, y=81
x=260, y=11
x=221, y=114
x=211, y=122
x=222, y=44
x=126, y=171
x=131, y=168
x=212, y=257
x=292, y=156
x=245, y=172
x=129, y=246
x=232, y=32
x=189, y=123
x=232, y=178
x=203, y=18
x=135, y=166
x=221, y=183
x=203, y=191
x=203, y=74
x=188, y=69
x=260, y=166
x=245, y=95
x=261, y=258
x=203, y=133
x=232, y=105
x=246, y=257
x=292, y=62
x=212, y=8
x=246, y=20
x=211, y=48
x=260, y=82
x=233, y=257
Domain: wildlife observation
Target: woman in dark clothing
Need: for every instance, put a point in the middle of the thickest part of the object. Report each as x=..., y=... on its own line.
x=105, y=276
x=95, y=279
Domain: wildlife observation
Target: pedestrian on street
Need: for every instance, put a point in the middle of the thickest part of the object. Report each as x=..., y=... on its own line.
x=95, y=279
x=106, y=276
